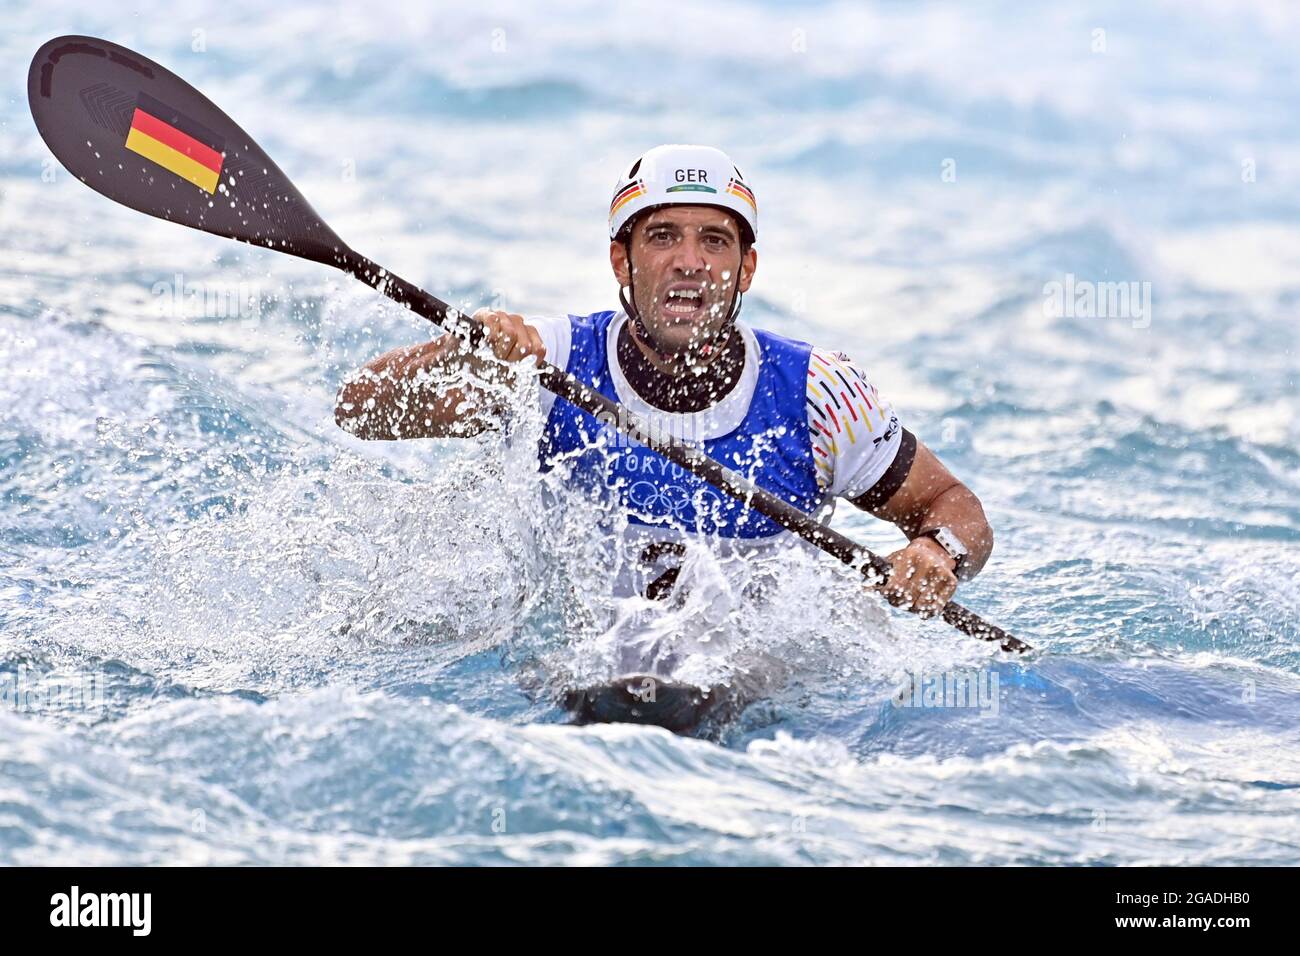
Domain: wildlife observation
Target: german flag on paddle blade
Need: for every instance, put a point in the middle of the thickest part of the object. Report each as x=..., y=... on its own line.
x=175, y=142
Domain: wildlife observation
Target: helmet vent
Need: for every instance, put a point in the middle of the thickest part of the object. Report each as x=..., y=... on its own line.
x=635, y=166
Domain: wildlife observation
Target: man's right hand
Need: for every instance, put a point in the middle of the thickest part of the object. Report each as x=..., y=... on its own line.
x=389, y=397
x=511, y=338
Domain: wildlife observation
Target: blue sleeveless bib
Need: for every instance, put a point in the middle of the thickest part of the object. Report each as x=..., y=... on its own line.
x=771, y=446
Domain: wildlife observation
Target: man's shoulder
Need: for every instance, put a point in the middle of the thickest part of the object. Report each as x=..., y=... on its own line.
x=592, y=320
x=565, y=335
x=818, y=361
x=767, y=335
x=794, y=352
x=835, y=365
x=573, y=320
x=813, y=352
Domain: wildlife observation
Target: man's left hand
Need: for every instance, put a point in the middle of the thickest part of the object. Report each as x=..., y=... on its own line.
x=922, y=580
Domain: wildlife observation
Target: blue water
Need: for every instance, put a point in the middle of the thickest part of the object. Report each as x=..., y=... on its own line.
x=306, y=649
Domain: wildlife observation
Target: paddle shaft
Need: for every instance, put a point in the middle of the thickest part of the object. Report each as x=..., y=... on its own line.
x=874, y=568
x=101, y=109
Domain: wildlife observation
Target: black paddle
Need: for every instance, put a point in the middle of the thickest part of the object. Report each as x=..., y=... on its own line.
x=142, y=136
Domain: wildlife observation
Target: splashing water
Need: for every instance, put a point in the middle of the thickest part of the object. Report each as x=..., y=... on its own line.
x=229, y=633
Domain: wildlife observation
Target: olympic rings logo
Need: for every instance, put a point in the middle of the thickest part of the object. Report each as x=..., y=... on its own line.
x=664, y=501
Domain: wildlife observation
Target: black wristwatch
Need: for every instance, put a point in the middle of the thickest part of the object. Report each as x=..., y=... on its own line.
x=952, y=544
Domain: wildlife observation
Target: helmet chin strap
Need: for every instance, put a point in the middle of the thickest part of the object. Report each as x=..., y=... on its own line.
x=708, y=351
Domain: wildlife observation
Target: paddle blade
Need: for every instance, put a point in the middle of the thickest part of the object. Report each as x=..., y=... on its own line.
x=142, y=136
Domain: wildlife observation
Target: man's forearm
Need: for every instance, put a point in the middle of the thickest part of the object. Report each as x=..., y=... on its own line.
x=398, y=396
x=438, y=389
x=960, y=511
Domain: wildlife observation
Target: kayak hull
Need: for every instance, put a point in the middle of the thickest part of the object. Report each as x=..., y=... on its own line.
x=646, y=699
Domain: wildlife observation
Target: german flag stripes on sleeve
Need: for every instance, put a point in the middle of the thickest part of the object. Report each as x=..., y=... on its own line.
x=855, y=433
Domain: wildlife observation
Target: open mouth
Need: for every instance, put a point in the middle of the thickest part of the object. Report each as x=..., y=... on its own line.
x=683, y=300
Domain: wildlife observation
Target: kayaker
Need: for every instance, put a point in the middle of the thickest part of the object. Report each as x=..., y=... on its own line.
x=802, y=422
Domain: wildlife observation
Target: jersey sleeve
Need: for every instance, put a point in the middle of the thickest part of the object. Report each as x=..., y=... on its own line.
x=557, y=335
x=855, y=434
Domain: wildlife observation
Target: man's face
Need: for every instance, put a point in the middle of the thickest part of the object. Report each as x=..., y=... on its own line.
x=686, y=263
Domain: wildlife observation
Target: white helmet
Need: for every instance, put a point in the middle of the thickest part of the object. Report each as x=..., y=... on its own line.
x=683, y=175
